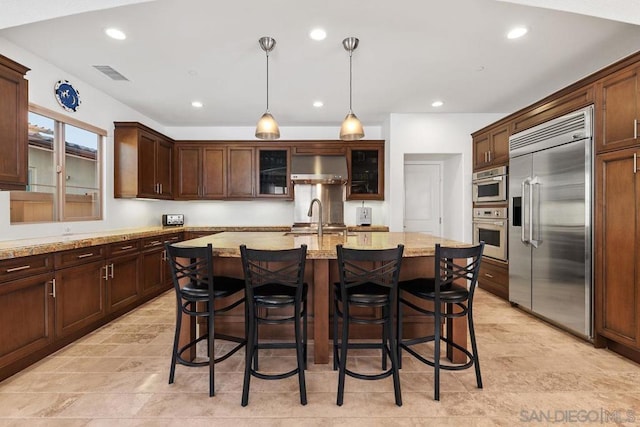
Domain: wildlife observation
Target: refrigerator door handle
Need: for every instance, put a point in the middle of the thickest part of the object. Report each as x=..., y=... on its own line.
x=534, y=184
x=523, y=233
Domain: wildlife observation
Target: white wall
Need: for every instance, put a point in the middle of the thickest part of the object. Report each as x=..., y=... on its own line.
x=444, y=137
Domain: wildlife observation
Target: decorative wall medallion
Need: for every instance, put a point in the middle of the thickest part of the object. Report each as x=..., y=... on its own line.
x=68, y=97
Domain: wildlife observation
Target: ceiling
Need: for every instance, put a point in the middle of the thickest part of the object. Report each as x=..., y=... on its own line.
x=411, y=53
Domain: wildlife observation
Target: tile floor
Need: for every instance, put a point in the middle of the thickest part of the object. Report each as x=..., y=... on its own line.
x=534, y=374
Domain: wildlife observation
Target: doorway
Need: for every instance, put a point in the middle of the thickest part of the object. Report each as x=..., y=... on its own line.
x=423, y=197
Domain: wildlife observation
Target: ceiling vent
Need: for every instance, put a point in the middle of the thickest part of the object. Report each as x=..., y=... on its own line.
x=110, y=72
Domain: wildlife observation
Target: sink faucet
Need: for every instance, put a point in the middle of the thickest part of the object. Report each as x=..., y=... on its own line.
x=310, y=213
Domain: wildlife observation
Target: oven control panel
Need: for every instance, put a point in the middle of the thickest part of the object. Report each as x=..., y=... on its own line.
x=490, y=212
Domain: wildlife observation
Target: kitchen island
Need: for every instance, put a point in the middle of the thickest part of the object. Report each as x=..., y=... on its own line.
x=322, y=271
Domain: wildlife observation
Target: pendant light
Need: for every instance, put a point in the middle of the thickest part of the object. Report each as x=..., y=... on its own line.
x=267, y=127
x=351, y=128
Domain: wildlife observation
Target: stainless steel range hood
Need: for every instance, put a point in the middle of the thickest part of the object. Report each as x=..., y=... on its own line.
x=318, y=169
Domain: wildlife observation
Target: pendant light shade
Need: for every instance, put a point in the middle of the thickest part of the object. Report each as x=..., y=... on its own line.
x=267, y=127
x=351, y=129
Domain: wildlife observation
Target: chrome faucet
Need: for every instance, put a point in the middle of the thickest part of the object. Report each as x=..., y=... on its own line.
x=310, y=213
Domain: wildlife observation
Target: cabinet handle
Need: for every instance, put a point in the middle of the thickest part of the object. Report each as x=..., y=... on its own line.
x=155, y=243
x=635, y=128
x=124, y=248
x=164, y=255
x=490, y=276
x=160, y=188
x=635, y=165
x=85, y=255
x=106, y=275
x=53, y=288
x=111, y=268
x=489, y=152
x=24, y=267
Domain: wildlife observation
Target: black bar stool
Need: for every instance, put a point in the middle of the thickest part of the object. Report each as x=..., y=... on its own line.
x=275, y=280
x=456, y=277
x=368, y=278
x=197, y=290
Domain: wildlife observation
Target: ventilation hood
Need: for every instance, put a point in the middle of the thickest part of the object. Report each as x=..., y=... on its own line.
x=319, y=169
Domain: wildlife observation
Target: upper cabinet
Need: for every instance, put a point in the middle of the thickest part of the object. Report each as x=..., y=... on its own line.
x=200, y=171
x=365, y=163
x=274, y=172
x=143, y=161
x=241, y=172
x=491, y=148
x=618, y=110
x=14, y=109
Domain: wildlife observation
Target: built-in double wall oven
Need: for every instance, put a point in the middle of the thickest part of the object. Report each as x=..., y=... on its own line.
x=490, y=212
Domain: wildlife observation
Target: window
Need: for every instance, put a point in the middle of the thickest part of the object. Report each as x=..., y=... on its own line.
x=65, y=158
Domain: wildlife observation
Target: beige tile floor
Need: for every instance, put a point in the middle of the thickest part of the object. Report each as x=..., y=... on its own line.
x=534, y=374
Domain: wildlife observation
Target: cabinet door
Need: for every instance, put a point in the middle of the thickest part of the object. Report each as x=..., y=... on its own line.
x=26, y=315
x=240, y=172
x=13, y=125
x=617, y=120
x=499, y=153
x=164, y=154
x=366, y=173
x=153, y=267
x=481, y=148
x=79, y=297
x=147, y=184
x=123, y=284
x=188, y=172
x=214, y=173
x=274, y=173
x=617, y=275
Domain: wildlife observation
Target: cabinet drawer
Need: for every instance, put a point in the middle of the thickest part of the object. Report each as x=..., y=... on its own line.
x=159, y=241
x=15, y=268
x=494, y=278
x=123, y=248
x=320, y=149
x=79, y=256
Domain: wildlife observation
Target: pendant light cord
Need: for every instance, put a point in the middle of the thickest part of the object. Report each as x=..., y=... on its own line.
x=267, y=81
x=350, y=80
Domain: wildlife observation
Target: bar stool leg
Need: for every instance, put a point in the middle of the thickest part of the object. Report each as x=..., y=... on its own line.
x=343, y=353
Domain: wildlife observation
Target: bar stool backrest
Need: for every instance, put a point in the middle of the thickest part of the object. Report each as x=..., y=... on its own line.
x=266, y=267
x=356, y=268
x=457, y=265
x=191, y=266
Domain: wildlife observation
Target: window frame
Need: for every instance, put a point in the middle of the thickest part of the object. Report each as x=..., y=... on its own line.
x=60, y=154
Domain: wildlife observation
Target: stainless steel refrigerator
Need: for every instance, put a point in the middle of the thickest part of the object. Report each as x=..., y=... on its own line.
x=550, y=201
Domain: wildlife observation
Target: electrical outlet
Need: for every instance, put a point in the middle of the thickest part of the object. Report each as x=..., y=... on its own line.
x=66, y=229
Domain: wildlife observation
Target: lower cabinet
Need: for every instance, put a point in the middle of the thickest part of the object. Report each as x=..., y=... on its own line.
x=156, y=273
x=494, y=277
x=27, y=316
x=79, y=295
x=123, y=281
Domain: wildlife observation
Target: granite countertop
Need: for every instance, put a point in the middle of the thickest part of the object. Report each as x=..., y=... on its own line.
x=227, y=244
x=42, y=245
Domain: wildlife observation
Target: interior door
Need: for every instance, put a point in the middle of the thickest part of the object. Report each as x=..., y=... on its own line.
x=423, y=197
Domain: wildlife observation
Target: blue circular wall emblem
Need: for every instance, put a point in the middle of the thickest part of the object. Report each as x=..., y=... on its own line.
x=68, y=97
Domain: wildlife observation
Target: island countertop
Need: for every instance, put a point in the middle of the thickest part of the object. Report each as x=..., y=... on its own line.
x=227, y=244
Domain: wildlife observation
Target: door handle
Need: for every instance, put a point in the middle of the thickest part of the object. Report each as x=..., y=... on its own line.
x=523, y=186
x=535, y=183
x=53, y=288
x=106, y=272
x=111, y=268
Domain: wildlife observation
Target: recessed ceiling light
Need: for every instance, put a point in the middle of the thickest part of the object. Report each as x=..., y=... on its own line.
x=437, y=104
x=197, y=104
x=517, y=32
x=318, y=34
x=115, y=33
x=318, y=104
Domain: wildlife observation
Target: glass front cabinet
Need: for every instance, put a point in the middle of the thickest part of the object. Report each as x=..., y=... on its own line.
x=273, y=172
x=366, y=171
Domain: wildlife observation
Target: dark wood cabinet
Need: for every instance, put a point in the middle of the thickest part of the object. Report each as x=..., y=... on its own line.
x=274, y=172
x=122, y=275
x=365, y=163
x=241, y=172
x=79, y=296
x=156, y=274
x=143, y=160
x=14, y=94
x=26, y=309
x=617, y=257
x=494, y=277
x=200, y=171
x=618, y=110
x=491, y=148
